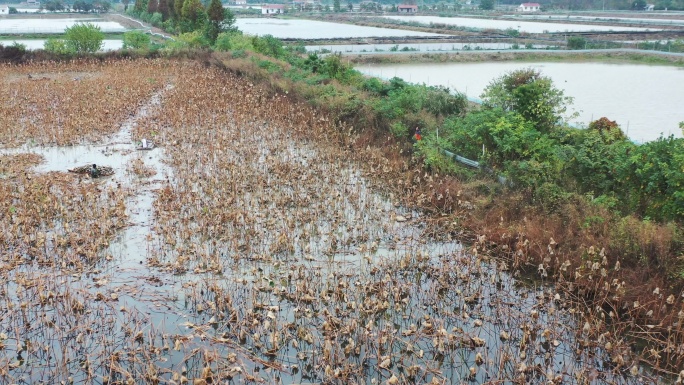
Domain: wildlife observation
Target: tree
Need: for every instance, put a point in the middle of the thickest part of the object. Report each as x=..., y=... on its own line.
x=530, y=94
x=151, y=6
x=336, y=5
x=178, y=9
x=136, y=40
x=163, y=8
x=215, y=18
x=125, y=4
x=140, y=6
x=193, y=15
x=54, y=5
x=84, y=38
x=487, y=5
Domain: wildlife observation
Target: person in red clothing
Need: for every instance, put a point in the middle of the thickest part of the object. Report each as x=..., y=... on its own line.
x=417, y=134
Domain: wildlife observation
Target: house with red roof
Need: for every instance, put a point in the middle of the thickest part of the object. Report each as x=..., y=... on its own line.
x=271, y=9
x=528, y=7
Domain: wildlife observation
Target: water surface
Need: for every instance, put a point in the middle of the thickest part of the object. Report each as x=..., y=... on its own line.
x=17, y=26
x=309, y=29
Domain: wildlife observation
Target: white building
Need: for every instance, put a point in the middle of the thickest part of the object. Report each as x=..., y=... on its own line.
x=4, y=9
x=528, y=7
x=407, y=8
x=271, y=9
x=240, y=2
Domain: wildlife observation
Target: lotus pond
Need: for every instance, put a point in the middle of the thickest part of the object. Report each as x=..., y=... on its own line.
x=251, y=245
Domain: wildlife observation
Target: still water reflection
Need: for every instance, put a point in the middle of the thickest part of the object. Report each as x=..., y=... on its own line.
x=645, y=100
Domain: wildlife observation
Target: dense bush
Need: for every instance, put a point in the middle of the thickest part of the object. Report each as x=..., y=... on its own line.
x=12, y=52
x=58, y=46
x=531, y=95
x=577, y=42
x=517, y=134
x=83, y=38
x=136, y=40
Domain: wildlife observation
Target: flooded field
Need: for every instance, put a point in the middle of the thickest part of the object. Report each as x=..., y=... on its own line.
x=606, y=19
x=32, y=44
x=309, y=29
x=15, y=26
x=521, y=26
x=425, y=47
x=643, y=99
x=250, y=245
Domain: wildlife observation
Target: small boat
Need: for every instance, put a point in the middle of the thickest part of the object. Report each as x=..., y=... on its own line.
x=103, y=170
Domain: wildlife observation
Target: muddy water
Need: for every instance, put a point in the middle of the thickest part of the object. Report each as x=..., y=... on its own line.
x=126, y=275
x=643, y=99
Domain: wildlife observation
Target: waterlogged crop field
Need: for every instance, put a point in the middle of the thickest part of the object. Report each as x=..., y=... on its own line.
x=249, y=246
x=21, y=26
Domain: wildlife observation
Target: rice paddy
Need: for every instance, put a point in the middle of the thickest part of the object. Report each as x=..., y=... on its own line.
x=250, y=245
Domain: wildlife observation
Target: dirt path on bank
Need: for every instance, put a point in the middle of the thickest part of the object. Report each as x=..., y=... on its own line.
x=132, y=23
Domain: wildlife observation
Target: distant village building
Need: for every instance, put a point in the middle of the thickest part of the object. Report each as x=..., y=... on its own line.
x=4, y=10
x=528, y=7
x=271, y=9
x=407, y=8
x=649, y=7
x=240, y=2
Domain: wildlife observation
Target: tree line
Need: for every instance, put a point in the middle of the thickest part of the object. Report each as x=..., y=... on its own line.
x=186, y=16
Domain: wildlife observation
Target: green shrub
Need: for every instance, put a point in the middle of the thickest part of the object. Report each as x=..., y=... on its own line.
x=223, y=42
x=399, y=130
x=268, y=45
x=577, y=42
x=194, y=39
x=84, y=38
x=236, y=41
x=157, y=19
x=58, y=46
x=239, y=53
x=136, y=40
